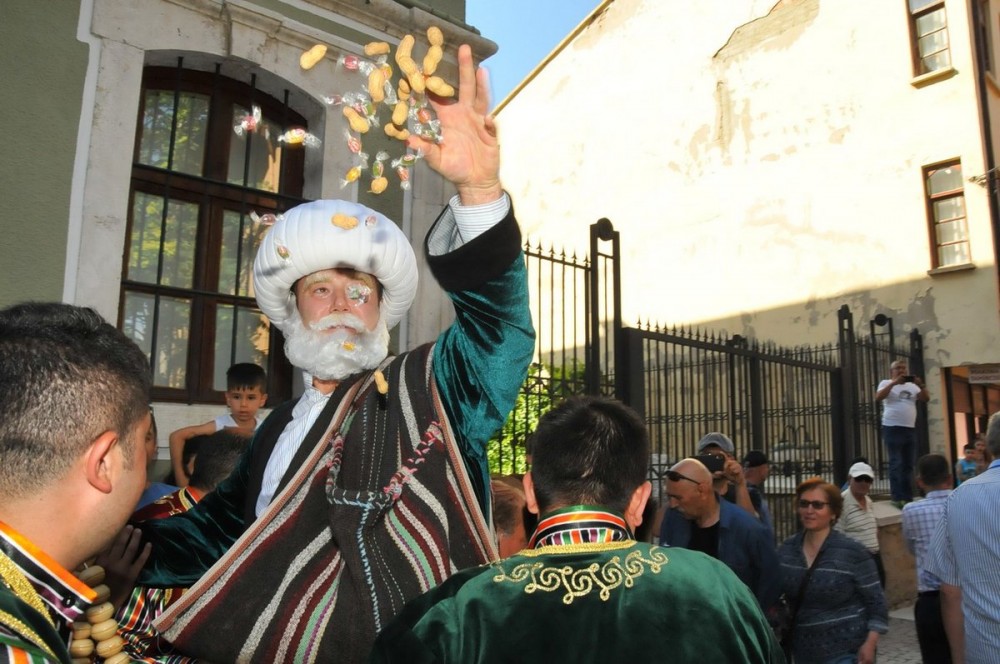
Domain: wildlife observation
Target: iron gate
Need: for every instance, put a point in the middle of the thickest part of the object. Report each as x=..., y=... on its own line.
x=810, y=408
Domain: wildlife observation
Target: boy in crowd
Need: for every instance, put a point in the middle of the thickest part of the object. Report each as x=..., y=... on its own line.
x=246, y=393
x=965, y=469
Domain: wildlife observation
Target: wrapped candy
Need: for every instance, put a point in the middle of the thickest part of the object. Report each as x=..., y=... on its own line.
x=267, y=219
x=353, y=174
x=379, y=181
x=353, y=142
x=349, y=62
x=249, y=122
x=403, y=166
x=299, y=136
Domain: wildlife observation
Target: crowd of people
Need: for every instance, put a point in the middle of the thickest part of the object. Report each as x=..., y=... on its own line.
x=360, y=522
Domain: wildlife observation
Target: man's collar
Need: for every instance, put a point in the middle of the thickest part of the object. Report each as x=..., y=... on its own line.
x=580, y=524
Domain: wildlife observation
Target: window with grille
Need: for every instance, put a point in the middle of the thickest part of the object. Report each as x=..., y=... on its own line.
x=929, y=32
x=946, y=214
x=197, y=186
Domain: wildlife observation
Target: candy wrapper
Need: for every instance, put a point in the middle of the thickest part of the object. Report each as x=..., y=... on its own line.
x=355, y=171
x=249, y=122
x=299, y=136
x=266, y=219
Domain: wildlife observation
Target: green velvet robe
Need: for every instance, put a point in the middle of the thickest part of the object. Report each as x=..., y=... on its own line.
x=616, y=601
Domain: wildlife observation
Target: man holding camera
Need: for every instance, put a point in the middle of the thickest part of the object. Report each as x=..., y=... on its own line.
x=899, y=396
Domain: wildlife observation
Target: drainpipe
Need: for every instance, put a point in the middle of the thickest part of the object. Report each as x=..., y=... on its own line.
x=993, y=195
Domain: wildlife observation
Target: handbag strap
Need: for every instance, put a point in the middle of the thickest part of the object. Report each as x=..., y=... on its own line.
x=805, y=582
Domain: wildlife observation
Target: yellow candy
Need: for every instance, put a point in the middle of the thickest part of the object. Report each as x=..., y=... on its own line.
x=357, y=121
x=376, y=48
x=342, y=220
x=379, y=185
x=381, y=384
x=309, y=59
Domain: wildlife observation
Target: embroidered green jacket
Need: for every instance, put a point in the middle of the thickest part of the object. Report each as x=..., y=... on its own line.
x=608, y=599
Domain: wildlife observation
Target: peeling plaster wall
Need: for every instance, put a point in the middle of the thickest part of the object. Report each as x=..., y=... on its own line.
x=762, y=162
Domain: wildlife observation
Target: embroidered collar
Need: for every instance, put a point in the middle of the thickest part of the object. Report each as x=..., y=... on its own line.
x=580, y=524
x=64, y=596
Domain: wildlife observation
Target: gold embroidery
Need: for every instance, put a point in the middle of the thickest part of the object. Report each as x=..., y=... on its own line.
x=14, y=579
x=26, y=632
x=578, y=582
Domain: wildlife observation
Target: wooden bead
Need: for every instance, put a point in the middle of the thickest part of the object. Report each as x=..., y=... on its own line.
x=111, y=646
x=120, y=658
x=100, y=613
x=81, y=648
x=104, y=630
x=81, y=630
x=81, y=660
x=92, y=575
x=103, y=593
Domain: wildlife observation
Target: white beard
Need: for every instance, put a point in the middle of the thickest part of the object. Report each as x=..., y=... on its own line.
x=334, y=355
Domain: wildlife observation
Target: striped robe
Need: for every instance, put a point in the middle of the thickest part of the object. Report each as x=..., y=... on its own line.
x=332, y=560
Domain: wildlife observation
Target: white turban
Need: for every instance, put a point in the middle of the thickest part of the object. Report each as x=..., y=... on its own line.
x=334, y=234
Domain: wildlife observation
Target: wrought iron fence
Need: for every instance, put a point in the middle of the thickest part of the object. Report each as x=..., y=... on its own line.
x=811, y=409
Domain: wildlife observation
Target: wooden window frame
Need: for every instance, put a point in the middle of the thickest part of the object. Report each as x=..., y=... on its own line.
x=917, y=61
x=214, y=196
x=932, y=221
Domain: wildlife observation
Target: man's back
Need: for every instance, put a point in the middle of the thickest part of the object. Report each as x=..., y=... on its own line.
x=610, y=602
x=965, y=552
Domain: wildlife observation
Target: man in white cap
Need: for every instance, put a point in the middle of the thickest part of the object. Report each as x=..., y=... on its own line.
x=373, y=487
x=857, y=520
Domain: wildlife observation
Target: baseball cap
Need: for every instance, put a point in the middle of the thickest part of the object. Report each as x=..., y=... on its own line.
x=755, y=458
x=861, y=469
x=720, y=440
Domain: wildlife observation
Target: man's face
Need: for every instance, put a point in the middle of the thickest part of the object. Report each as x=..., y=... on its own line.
x=338, y=299
x=686, y=496
x=861, y=485
x=900, y=370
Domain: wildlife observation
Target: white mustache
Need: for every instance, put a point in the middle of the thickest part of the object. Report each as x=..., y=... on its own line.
x=339, y=320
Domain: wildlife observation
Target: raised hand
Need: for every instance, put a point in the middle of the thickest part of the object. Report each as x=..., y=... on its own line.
x=469, y=154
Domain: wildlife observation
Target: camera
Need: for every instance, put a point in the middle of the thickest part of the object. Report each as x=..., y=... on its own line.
x=714, y=463
x=908, y=379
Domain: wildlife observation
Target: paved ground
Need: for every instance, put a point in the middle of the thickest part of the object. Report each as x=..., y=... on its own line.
x=899, y=646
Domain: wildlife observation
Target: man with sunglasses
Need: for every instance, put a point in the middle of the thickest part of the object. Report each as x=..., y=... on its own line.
x=858, y=519
x=700, y=520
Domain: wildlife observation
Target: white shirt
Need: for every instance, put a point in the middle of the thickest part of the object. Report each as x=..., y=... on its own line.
x=899, y=408
x=304, y=415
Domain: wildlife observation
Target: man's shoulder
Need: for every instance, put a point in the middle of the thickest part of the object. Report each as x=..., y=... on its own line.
x=738, y=518
x=15, y=618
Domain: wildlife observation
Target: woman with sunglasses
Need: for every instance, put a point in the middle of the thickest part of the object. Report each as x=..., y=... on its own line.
x=830, y=582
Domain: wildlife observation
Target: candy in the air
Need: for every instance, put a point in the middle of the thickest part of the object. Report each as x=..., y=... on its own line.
x=267, y=219
x=309, y=58
x=299, y=136
x=376, y=48
x=358, y=122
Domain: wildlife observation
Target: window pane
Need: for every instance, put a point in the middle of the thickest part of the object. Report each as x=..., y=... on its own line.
x=265, y=154
x=944, y=179
x=246, y=241
x=171, y=340
x=951, y=231
x=949, y=208
x=178, y=247
x=253, y=337
x=930, y=22
x=953, y=254
x=933, y=43
x=917, y=5
x=157, y=125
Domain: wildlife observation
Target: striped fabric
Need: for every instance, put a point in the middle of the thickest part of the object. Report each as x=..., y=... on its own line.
x=965, y=552
x=580, y=524
x=47, y=586
x=858, y=522
x=328, y=564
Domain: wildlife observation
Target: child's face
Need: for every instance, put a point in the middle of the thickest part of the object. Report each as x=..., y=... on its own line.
x=971, y=454
x=244, y=402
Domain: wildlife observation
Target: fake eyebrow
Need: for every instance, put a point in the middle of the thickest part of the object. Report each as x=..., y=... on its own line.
x=360, y=293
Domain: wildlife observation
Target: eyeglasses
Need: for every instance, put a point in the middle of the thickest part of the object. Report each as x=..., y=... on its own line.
x=674, y=476
x=863, y=478
x=815, y=504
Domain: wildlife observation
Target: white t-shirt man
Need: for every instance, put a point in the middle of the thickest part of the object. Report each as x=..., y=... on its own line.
x=899, y=408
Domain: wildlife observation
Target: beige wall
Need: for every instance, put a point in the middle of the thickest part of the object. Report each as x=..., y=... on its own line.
x=762, y=161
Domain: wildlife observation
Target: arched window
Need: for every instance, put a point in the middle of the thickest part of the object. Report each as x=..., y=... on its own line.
x=197, y=186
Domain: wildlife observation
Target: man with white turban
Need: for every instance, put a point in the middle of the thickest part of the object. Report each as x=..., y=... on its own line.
x=373, y=486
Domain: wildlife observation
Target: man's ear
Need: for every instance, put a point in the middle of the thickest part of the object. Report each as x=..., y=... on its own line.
x=637, y=504
x=100, y=461
x=529, y=493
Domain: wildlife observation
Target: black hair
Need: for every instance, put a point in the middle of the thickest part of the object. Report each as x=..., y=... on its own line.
x=51, y=351
x=216, y=457
x=246, y=375
x=589, y=450
x=933, y=469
